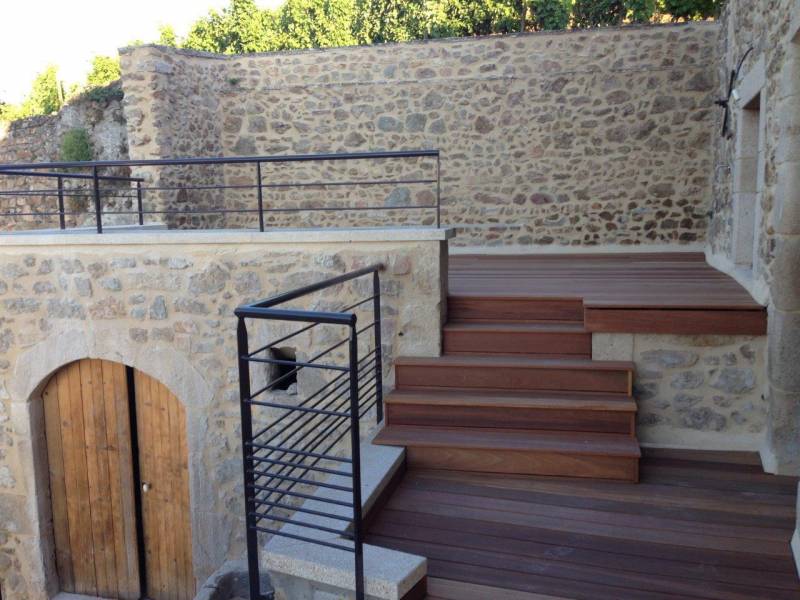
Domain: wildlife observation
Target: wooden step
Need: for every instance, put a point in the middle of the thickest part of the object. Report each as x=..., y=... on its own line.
x=554, y=411
x=511, y=451
x=512, y=309
x=532, y=339
x=515, y=373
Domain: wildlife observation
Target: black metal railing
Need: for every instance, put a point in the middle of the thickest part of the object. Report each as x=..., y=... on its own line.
x=185, y=189
x=284, y=443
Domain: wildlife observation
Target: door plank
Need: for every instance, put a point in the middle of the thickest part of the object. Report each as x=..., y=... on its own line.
x=78, y=506
x=164, y=465
x=56, y=393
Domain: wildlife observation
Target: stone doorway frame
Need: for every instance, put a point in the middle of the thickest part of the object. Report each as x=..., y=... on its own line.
x=110, y=342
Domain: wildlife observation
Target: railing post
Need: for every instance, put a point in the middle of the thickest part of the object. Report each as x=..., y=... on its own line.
x=376, y=304
x=438, y=190
x=98, y=210
x=355, y=442
x=139, y=202
x=247, y=461
x=61, y=222
x=260, y=198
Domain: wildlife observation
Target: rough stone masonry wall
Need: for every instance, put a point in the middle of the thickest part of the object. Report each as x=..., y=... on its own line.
x=694, y=391
x=38, y=139
x=772, y=29
x=570, y=139
x=164, y=304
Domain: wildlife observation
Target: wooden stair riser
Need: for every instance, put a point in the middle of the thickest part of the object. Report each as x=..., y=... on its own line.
x=541, y=343
x=542, y=419
x=513, y=378
x=517, y=462
x=513, y=310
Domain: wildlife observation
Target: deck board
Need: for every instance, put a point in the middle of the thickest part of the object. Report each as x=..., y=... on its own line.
x=681, y=533
x=639, y=293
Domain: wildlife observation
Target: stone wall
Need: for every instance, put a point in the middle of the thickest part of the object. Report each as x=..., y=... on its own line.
x=570, y=139
x=163, y=303
x=38, y=139
x=771, y=70
x=694, y=391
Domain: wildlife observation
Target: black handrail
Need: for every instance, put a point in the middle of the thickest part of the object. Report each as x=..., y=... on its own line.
x=279, y=456
x=65, y=171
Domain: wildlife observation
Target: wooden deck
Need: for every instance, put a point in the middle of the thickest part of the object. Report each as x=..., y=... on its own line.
x=640, y=293
x=699, y=525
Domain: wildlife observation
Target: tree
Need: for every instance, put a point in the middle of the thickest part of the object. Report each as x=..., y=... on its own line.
x=596, y=13
x=550, y=14
x=105, y=69
x=688, y=10
x=317, y=23
x=46, y=95
x=240, y=28
x=473, y=17
x=379, y=21
x=167, y=37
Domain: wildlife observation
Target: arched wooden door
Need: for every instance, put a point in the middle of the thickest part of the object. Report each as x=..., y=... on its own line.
x=112, y=538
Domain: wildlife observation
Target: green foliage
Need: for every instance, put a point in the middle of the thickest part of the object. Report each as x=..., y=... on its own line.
x=475, y=18
x=167, y=37
x=105, y=69
x=240, y=28
x=379, y=21
x=76, y=146
x=550, y=14
x=316, y=23
x=688, y=10
x=46, y=97
x=640, y=11
x=104, y=93
x=597, y=13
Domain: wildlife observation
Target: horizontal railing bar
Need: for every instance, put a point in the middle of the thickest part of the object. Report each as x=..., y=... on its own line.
x=314, y=287
x=298, y=408
x=277, y=314
x=222, y=161
x=351, y=208
x=302, y=509
x=330, y=486
x=301, y=452
x=22, y=173
x=279, y=361
x=289, y=492
x=301, y=538
x=353, y=182
x=284, y=338
x=339, y=394
x=259, y=517
x=295, y=465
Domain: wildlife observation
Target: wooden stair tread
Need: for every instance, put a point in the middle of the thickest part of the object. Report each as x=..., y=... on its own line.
x=526, y=362
x=506, y=327
x=549, y=400
x=560, y=442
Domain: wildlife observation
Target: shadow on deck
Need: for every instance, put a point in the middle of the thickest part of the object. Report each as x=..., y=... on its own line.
x=699, y=525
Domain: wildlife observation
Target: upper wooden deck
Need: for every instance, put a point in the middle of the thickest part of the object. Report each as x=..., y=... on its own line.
x=638, y=293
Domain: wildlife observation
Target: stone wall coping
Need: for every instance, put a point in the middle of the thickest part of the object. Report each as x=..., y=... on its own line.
x=598, y=31
x=148, y=237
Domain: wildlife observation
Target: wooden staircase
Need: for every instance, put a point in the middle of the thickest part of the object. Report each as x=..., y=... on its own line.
x=516, y=391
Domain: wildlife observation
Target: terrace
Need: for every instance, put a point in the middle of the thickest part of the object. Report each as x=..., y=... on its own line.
x=451, y=369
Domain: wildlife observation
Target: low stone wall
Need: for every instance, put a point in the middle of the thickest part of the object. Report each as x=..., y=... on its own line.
x=576, y=138
x=163, y=303
x=695, y=391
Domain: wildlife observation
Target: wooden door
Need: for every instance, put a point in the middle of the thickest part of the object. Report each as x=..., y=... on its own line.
x=164, y=474
x=87, y=425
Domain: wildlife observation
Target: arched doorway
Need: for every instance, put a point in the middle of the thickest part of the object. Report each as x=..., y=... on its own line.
x=119, y=483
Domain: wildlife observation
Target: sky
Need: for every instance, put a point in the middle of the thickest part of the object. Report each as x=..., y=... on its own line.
x=68, y=33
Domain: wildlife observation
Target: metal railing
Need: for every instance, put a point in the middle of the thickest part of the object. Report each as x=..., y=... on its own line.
x=289, y=442
x=166, y=193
